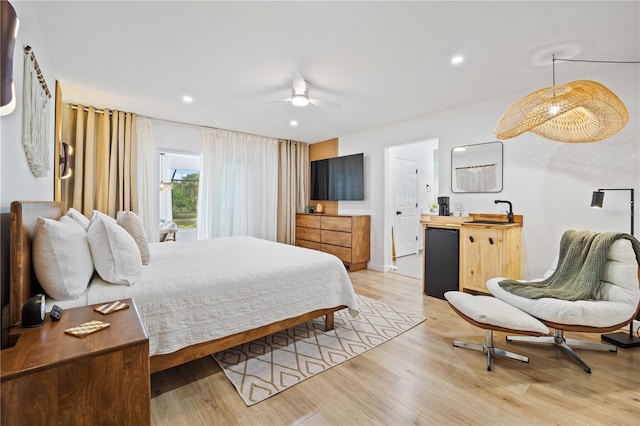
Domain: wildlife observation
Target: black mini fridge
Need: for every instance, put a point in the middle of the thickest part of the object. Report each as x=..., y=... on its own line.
x=441, y=257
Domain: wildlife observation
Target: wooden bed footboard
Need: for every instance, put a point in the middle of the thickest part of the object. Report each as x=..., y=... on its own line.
x=190, y=353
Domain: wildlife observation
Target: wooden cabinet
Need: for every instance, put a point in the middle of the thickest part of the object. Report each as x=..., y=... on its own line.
x=49, y=377
x=347, y=237
x=486, y=252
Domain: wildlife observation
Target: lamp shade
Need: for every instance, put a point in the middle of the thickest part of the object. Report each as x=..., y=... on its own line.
x=597, y=199
x=580, y=111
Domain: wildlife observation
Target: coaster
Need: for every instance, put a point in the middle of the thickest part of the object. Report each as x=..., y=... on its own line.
x=111, y=307
x=87, y=328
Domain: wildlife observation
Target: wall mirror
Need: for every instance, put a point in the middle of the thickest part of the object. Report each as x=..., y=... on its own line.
x=477, y=168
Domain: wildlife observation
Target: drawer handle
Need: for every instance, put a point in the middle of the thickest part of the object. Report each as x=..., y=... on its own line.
x=471, y=238
x=490, y=240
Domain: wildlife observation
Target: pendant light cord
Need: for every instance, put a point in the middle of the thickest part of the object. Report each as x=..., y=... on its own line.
x=554, y=59
x=588, y=60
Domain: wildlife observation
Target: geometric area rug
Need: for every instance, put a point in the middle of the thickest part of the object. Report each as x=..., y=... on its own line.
x=274, y=363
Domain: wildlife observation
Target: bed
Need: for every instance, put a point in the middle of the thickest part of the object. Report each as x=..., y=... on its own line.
x=199, y=298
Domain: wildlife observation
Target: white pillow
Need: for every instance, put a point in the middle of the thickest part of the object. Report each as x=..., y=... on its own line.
x=78, y=217
x=115, y=254
x=61, y=258
x=132, y=223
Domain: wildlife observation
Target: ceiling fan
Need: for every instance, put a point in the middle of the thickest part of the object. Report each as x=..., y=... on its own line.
x=300, y=94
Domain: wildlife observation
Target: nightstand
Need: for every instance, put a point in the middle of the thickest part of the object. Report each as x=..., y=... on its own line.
x=49, y=377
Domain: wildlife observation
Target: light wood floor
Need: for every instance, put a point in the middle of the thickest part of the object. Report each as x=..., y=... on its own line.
x=419, y=378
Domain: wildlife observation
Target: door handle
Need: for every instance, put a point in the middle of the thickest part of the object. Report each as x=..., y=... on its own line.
x=490, y=240
x=471, y=238
x=398, y=212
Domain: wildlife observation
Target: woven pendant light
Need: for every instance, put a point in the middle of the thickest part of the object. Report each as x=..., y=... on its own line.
x=580, y=111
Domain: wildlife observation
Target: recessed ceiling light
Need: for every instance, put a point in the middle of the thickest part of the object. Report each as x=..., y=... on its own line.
x=457, y=60
x=293, y=123
x=187, y=99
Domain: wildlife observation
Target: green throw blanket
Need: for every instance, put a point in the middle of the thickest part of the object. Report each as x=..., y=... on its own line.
x=581, y=263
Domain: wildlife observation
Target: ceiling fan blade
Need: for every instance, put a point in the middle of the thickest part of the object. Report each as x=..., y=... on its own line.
x=279, y=101
x=323, y=103
x=300, y=85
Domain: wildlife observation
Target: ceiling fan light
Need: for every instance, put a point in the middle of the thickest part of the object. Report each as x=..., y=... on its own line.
x=580, y=111
x=299, y=100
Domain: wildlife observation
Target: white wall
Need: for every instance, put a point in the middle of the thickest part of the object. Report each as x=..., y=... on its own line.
x=16, y=180
x=550, y=183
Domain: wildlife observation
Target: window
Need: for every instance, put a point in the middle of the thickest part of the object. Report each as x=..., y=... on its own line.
x=178, y=203
x=184, y=197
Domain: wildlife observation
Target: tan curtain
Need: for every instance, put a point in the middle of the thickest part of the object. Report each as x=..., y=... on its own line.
x=293, y=185
x=104, y=158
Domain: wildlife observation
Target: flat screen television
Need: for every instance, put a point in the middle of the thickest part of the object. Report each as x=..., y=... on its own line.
x=338, y=178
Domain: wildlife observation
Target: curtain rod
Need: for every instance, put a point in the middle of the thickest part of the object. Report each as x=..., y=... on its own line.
x=199, y=126
x=29, y=51
x=86, y=109
x=476, y=167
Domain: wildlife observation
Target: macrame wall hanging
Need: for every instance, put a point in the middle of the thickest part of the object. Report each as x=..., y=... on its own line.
x=477, y=178
x=35, y=116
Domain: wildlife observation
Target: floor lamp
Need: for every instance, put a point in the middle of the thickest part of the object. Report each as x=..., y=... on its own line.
x=620, y=339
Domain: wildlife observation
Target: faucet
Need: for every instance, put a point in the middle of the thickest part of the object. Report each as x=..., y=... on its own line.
x=510, y=212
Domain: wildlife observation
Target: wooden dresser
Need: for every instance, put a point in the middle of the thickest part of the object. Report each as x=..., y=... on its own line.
x=347, y=237
x=49, y=377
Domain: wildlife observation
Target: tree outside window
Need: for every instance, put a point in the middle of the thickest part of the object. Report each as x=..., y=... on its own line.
x=185, y=197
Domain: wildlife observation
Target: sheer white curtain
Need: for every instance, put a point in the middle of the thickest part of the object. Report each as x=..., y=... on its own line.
x=147, y=184
x=238, y=189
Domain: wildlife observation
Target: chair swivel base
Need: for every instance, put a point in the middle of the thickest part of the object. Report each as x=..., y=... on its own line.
x=562, y=342
x=488, y=348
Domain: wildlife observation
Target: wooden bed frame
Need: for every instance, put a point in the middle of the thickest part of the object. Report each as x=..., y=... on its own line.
x=24, y=216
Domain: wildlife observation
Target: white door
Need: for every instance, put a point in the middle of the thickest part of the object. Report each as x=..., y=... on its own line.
x=405, y=204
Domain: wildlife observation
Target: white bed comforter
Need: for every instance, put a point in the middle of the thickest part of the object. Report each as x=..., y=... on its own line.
x=203, y=290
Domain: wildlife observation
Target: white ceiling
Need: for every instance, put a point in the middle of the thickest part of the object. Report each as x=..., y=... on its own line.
x=383, y=62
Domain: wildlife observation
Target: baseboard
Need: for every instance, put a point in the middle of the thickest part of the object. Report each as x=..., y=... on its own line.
x=377, y=267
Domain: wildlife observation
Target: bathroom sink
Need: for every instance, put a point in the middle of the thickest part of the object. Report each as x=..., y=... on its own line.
x=488, y=222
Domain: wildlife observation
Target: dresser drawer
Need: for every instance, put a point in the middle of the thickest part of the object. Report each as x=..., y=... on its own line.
x=336, y=238
x=336, y=223
x=343, y=253
x=308, y=244
x=308, y=221
x=309, y=234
